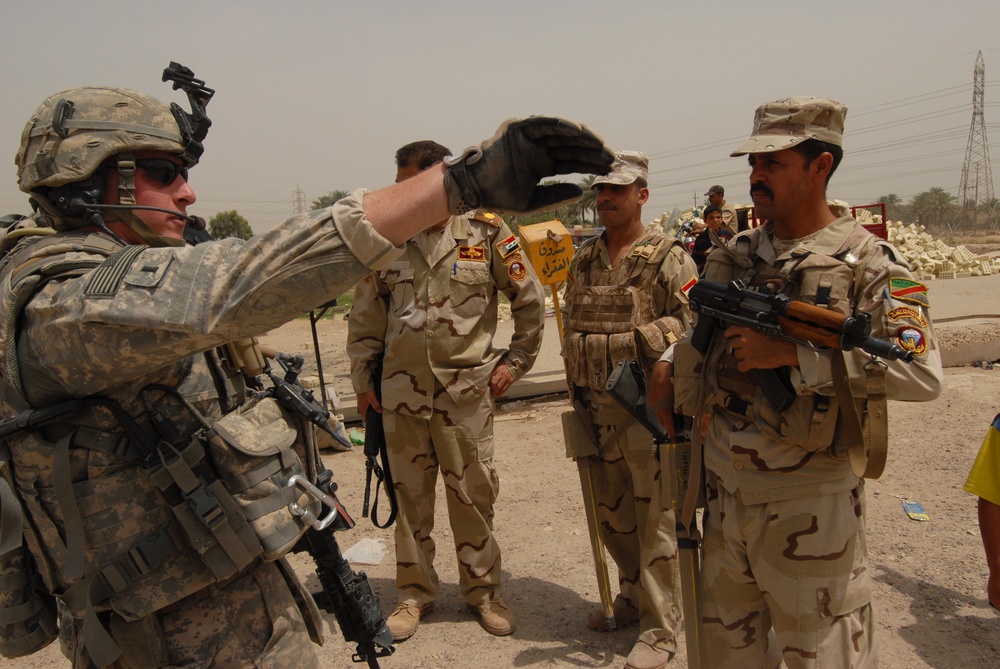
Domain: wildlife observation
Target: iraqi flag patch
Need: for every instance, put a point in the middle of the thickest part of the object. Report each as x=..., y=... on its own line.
x=686, y=288
x=908, y=290
x=505, y=247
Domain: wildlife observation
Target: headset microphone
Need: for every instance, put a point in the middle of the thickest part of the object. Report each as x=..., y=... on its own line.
x=79, y=206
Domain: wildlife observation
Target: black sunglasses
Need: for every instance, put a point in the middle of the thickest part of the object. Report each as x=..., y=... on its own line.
x=161, y=170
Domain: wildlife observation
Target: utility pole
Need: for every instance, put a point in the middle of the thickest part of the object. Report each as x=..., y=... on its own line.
x=977, y=179
x=298, y=201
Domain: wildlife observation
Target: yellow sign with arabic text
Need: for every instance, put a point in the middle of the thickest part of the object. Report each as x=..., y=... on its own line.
x=550, y=248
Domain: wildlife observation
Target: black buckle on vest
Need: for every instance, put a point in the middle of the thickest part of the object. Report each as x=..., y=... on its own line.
x=206, y=507
x=735, y=405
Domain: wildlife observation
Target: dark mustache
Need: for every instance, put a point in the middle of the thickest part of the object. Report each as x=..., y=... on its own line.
x=761, y=188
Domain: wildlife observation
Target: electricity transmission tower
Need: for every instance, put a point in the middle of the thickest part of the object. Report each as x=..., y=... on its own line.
x=976, y=186
x=298, y=202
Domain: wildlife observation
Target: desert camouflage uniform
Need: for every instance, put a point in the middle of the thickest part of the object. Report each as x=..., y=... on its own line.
x=785, y=542
x=433, y=315
x=155, y=316
x=652, y=308
x=729, y=218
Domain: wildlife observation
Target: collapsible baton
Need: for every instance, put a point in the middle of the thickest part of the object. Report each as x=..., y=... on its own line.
x=627, y=385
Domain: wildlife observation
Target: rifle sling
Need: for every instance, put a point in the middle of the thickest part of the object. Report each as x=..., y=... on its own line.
x=384, y=478
x=867, y=452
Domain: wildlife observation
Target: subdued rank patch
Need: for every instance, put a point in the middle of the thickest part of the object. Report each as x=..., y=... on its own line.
x=369, y=278
x=906, y=313
x=517, y=270
x=912, y=339
x=508, y=246
x=686, y=288
x=908, y=290
x=474, y=253
x=107, y=278
x=646, y=250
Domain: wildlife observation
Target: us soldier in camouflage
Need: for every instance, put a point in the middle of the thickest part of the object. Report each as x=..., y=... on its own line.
x=104, y=303
x=430, y=318
x=626, y=299
x=784, y=535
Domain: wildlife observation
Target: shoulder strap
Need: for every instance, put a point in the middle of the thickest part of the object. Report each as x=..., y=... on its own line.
x=31, y=264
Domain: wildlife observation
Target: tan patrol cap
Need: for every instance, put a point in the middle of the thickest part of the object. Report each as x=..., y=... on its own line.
x=628, y=166
x=784, y=123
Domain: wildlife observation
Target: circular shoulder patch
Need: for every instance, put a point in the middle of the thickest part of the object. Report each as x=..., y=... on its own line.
x=517, y=271
x=912, y=339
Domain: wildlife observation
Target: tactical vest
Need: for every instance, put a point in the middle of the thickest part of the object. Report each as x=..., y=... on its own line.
x=830, y=281
x=611, y=315
x=116, y=520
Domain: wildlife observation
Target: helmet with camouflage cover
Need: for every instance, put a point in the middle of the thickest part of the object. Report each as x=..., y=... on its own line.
x=76, y=135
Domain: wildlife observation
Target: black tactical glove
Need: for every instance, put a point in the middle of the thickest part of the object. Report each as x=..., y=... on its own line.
x=503, y=173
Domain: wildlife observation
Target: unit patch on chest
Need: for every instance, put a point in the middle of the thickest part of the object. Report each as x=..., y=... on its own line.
x=473, y=253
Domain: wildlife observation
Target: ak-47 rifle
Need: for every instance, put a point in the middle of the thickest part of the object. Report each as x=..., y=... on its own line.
x=778, y=315
x=375, y=446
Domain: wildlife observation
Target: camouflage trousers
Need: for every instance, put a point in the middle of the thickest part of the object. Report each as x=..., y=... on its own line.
x=798, y=566
x=252, y=622
x=458, y=441
x=639, y=534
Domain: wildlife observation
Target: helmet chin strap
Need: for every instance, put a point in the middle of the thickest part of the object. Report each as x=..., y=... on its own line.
x=126, y=198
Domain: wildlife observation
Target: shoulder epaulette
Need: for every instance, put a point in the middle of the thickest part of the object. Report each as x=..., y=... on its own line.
x=487, y=217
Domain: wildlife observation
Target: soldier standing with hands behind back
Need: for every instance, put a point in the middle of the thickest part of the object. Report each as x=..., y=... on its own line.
x=626, y=300
x=431, y=317
x=784, y=537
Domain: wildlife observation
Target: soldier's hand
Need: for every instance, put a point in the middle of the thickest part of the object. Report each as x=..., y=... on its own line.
x=660, y=396
x=755, y=350
x=365, y=400
x=503, y=173
x=501, y=379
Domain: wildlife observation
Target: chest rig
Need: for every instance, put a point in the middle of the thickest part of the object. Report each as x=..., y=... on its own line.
x=133, y=514
x=606, y=305
x=811, y=422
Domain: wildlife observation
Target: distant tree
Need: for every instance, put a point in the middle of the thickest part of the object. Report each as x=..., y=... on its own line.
x=327, y=200
x=229, y=224
x=893, y=206
x=992, y=209
x=933, y=207
x=588, y=203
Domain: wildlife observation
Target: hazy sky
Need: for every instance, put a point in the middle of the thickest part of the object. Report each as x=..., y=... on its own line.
x=318, y=95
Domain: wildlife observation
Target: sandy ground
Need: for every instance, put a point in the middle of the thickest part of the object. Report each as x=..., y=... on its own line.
x=930, y=576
